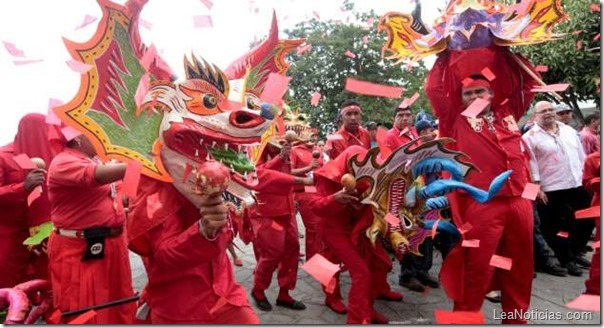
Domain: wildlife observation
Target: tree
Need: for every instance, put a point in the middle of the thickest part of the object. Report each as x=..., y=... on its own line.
x=325, y=68
x=575, y=58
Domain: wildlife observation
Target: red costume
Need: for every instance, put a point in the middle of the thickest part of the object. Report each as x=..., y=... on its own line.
x=276, y=242
x=394, y=138
x=190, y=277
x=301, y=156
x=591, y=182
x=344, y=235
x=504, y=225
x=79, y=202
x=361, y=138
x=31, y=140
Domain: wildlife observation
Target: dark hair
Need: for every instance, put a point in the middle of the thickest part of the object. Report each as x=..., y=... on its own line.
x=349, y=102
x=479, y=77
x=371, y=126
x=592, y=117
x=400, y=109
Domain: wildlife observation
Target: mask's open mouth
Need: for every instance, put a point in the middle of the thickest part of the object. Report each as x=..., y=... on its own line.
x=201, y=144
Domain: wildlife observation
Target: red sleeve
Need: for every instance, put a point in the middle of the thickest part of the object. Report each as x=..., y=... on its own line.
x=325, y=201
x=337, y=147
x=178, y=247
x=439, y=97
x=271, y=181
x=275, y=163
x=10, y=193
x=390, y=142
x=591, y=173
x=69, y=170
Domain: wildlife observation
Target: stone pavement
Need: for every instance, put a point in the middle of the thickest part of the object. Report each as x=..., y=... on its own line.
x=550, y=293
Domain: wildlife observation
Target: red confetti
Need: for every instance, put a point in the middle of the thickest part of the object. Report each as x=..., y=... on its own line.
x=476, y=107
x=591, y=212
x=444, y=317
x=530, y=191
x=372, y=89
x=472, y=243
x=315, y=98
x=350, y=54
x=486, y=72
x=501, y=262
x=594, y=7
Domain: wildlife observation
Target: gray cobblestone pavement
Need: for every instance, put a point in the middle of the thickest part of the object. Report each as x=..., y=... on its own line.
x=550, y=293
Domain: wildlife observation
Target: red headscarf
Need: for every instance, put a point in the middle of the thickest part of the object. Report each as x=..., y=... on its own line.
x=32, y=138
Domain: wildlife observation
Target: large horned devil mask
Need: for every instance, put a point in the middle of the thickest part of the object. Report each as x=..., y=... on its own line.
x=407, y=186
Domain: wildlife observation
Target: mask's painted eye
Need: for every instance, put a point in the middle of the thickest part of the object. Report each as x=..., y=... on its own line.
x=209, y=101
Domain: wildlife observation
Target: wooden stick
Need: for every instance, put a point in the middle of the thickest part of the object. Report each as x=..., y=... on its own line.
x=101, y=306
x=535, y=76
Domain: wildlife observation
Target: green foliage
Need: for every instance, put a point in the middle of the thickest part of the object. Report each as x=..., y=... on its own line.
x=575, y=58
x=325, y=69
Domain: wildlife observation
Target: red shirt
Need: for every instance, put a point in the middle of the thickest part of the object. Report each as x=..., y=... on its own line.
x=13, y=199
x=338, y=218
x=394, y=139
x=188, y=274
x=77, y=200
x=591, y=176
x=361, y=138
x=300, y=157
x=275, y=198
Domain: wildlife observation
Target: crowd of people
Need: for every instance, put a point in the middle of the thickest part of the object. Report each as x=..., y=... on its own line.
x=190, y=276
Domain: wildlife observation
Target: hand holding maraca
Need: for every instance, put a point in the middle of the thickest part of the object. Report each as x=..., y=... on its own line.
x=211, y=180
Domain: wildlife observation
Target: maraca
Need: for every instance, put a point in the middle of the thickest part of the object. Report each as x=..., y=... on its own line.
x=38, y=162
x=291, y=136
x=349, y=182
x=211, y=178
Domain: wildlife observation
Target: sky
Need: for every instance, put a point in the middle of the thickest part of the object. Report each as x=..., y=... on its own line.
x=37, y=28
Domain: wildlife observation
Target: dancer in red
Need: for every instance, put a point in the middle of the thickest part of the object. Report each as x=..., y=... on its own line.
x=492, y=140
x=186, y=257
x=351, y=133
x=276, y=243
x=591, y=182
x=402, y=130
x=15, y=185
x=344, y=235
x=306, y=158
x=89, y=263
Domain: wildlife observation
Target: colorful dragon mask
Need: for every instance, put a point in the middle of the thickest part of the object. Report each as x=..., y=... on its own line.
x=406, y=186
x=175, y=126
x=471, y=24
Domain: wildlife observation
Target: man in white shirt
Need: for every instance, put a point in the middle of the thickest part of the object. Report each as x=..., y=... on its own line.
x=556, y=164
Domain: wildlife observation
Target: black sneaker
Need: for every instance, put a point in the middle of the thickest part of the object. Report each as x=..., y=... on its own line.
x=582, y=262
x=573, y=269
x=555, y=270
x=263, y=304
x=426, y=279
x=412, y=284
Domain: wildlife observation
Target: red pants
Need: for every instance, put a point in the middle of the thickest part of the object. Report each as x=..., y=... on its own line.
x=276, y=246
x=504, y=227
x=228, y=314
x=312, y=224
x=77, y=284
x=367, y=272
x=592, y=284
